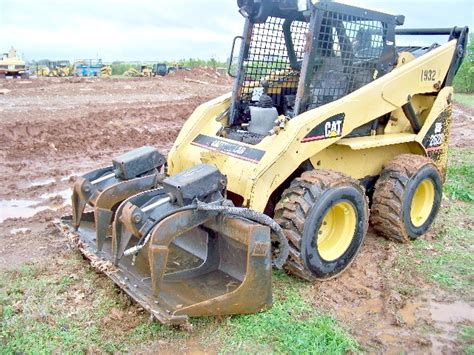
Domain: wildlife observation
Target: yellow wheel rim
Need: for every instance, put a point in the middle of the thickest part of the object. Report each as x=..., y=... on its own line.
x=336, y=231
x=422, y=202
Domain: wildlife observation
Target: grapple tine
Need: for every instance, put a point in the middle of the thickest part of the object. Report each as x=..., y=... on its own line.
x=123, y=227
x=78, y=203
x=103, y=218
x=105, y=188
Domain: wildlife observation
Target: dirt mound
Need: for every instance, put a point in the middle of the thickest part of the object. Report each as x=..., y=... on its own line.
x=204, y=74
x=462, y=128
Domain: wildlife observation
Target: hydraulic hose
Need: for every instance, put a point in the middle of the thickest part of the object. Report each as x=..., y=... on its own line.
x=235, y=211
x=144, y=239
x=256, y=217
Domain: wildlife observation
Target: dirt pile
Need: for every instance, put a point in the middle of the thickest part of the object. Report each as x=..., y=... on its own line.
x=204, y=74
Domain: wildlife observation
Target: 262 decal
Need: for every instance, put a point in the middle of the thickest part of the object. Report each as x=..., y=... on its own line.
x=436, y=135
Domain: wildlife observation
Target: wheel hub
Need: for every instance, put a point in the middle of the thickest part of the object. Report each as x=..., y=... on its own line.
x=422, y=202
x=336, y=231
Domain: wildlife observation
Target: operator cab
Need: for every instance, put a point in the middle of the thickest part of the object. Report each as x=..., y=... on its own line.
x=296, y=56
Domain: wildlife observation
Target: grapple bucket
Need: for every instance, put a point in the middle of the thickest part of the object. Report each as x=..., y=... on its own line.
x=175, y=251
x=196, y=264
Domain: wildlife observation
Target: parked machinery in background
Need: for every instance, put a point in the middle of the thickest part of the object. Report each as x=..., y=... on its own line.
x=89, y=67
x=144, y=71
x=59, y=68
x=11, y=65
x=106, y=70
x=160, y=69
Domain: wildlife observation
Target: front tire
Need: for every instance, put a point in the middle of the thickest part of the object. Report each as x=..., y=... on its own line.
x=324, y=215
x=407, y=198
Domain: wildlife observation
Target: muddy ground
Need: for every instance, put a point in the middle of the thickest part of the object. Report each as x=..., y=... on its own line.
x=54, y=129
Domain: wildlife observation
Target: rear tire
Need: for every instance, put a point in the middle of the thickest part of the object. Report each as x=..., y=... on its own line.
x=407, y=198
x=324, y=215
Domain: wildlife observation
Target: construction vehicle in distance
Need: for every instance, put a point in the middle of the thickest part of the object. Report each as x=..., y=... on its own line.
x=88, y=67
x=326, y=113
x=160, y=69
x=11, y=65
x=106, y=70
x=145, y=71
x=59, y=68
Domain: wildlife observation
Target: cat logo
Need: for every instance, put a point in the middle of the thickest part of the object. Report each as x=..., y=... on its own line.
x=333, y=129
x=329, y=128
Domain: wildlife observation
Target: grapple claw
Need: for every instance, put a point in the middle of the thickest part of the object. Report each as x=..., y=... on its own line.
x=105, y=188
x=179, y=261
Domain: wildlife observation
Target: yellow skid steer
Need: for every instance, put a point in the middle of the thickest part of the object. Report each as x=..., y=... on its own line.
x=326, y=114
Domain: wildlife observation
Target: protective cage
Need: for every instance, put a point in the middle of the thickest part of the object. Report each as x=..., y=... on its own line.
x=351, y=48
x=347, y=48
x=274, y=52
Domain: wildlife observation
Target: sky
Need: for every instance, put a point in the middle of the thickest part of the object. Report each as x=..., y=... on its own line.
x=156, y=30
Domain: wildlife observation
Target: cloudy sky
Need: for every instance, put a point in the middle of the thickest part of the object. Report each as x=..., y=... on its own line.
x=164, y=30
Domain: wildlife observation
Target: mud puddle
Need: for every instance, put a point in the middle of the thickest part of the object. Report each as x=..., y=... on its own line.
x=19, y=209
x=26, y=208
x=41, y=182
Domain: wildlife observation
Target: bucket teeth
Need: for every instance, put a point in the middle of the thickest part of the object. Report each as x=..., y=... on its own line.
x=103, y=218
x=78, y=206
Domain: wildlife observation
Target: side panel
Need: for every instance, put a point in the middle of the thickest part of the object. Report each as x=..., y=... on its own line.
x=360, y=163
x=434, y=136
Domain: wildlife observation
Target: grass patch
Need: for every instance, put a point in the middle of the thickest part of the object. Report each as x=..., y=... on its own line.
x=66, y=307
x=460, y=175
x=466, y=338
x=465, y=99
x=449, y=260
x=290, y=326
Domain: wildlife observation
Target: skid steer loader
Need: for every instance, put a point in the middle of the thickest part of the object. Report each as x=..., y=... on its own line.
x=325, y=115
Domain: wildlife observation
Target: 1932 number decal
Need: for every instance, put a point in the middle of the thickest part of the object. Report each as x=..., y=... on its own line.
x=428, y=75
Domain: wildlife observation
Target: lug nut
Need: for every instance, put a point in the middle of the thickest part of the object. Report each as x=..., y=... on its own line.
x=137, y=218
x=86, y=188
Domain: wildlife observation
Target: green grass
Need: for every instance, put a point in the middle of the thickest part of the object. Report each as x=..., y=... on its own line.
x=464, y=99
x=65, y=308
x=290, y=326
x=466, y=338
x=449, y=260
x=460, y=175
